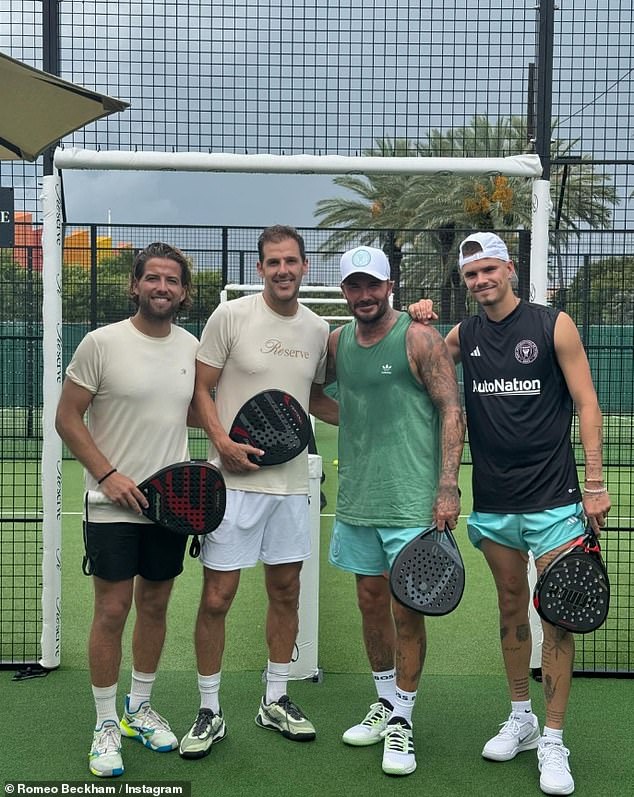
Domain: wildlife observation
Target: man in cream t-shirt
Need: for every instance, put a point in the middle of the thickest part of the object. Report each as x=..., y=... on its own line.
x=257, y=342
x=123, y=414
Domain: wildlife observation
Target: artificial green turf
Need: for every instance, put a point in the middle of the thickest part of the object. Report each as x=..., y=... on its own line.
x=453, y=717
x=46, y=723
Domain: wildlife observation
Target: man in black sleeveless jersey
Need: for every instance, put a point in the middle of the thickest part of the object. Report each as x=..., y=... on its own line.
x=524, y=367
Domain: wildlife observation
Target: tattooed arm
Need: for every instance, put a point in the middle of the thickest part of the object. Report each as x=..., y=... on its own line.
x=432, y=366
x=574, y=365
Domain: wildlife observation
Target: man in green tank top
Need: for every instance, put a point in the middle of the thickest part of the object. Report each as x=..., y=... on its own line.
x=401, y=433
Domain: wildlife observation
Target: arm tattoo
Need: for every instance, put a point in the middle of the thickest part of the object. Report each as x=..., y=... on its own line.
x=523, y=632
x=432, y=365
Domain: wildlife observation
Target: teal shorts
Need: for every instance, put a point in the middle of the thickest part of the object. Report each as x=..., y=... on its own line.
x=367, y=550
x=539, y=532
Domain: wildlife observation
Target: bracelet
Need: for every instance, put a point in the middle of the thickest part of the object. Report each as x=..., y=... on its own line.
x=595, y=492
x=103, y=478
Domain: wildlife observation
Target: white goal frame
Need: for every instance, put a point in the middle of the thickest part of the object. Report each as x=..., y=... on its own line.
x=52, y=240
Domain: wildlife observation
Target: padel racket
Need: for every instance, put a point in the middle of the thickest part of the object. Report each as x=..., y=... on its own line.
x=573, y=592
x=428, y=573
x=275, y=422
x=186, y=498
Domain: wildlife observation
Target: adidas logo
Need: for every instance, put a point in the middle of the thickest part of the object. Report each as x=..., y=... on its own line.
x=386, y=368
x=475, y=352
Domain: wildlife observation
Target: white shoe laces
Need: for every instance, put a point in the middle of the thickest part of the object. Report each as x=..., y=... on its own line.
x=511, y=727
x=554, y=756
x=107, y=740
x=151, y=719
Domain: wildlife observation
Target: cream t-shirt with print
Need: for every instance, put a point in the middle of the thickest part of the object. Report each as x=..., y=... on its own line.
x=257, y=350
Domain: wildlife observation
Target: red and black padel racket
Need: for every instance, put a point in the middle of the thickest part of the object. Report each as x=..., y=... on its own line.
x=186, y=498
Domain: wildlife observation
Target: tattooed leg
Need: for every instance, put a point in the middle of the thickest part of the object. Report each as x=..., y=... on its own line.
x=516, y=651
x=558, y=653
x=411, y=647
x=508, y=567
x=379, y=634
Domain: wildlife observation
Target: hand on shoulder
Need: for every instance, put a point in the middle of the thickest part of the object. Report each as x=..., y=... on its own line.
x=423, y=311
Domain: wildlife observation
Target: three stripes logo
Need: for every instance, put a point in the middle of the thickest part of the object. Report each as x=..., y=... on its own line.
x=475, y=352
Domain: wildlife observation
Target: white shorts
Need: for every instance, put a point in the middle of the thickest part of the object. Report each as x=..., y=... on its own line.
x=257, y=526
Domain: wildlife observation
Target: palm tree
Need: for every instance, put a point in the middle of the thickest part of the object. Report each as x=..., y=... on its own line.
x=432, y=212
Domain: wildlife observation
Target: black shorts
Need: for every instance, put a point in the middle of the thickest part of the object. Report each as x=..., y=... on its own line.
x=119, y=551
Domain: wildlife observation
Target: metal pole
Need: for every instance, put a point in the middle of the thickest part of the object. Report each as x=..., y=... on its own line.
x=542, y=207
x=50, y=58
x=543, y=121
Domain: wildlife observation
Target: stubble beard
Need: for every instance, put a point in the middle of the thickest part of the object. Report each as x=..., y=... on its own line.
x=376, y=319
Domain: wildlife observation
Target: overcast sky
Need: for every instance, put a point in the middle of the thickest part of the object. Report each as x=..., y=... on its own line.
x=217, y=75
x=189, y=198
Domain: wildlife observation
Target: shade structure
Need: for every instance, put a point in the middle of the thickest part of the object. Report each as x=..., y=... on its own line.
x=38, y=109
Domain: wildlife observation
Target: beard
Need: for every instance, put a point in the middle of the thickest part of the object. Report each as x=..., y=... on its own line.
x=148, y=310
x=380, y=310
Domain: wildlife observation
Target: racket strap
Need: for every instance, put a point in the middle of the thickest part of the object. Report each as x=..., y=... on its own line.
x=194, y=548
x=87, y=564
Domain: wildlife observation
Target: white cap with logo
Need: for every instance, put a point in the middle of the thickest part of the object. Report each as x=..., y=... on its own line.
x=365, y=260
x=492, y=246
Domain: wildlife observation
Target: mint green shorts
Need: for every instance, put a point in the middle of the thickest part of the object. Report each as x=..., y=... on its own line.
x=539, y=532
x=367, y=550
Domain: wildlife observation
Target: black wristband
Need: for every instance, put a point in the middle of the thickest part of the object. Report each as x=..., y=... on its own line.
x=105, y=476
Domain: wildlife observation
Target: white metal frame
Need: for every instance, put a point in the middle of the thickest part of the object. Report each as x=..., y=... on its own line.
x=518, y=165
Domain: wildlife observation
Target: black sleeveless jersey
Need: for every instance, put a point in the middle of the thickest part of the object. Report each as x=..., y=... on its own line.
x=519, y=413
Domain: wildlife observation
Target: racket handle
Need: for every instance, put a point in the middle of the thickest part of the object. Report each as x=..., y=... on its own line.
x=96, y=497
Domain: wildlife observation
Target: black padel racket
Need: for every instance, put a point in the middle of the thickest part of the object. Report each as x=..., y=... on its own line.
x=186, y=498
x=275, y=422
x=428, y=573
x=573, y=592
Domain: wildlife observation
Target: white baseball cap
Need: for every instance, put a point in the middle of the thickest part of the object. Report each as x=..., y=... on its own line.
x=491, y=244
x=365, y=260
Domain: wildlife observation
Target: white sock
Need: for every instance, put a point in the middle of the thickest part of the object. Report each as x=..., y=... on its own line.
x=385, y=683
x=277, y=675
x=404, y=704
x=209, y=688
x=141, y=689
x=105, y=704
x=553, y=734
x=521, y=708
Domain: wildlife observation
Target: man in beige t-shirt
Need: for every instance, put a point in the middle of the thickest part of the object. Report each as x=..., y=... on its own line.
x=258, y=342
x=123, y=414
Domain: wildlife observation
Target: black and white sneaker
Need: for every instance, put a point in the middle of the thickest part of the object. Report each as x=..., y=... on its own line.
x=207, y=729
x=398, y=749
x=284, y=716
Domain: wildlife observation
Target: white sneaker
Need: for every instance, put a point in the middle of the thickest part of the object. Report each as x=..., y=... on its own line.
x=148, y=727
x=398, y=751
x=370, y=729
x=105, y=759
x=517, y=734
x=555, y=775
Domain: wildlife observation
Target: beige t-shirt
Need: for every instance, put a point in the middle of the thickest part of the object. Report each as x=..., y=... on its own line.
x=142, y=388
x=257, y=350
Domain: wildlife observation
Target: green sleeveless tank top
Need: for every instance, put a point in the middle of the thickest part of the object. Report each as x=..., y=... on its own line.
x=389, y=434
